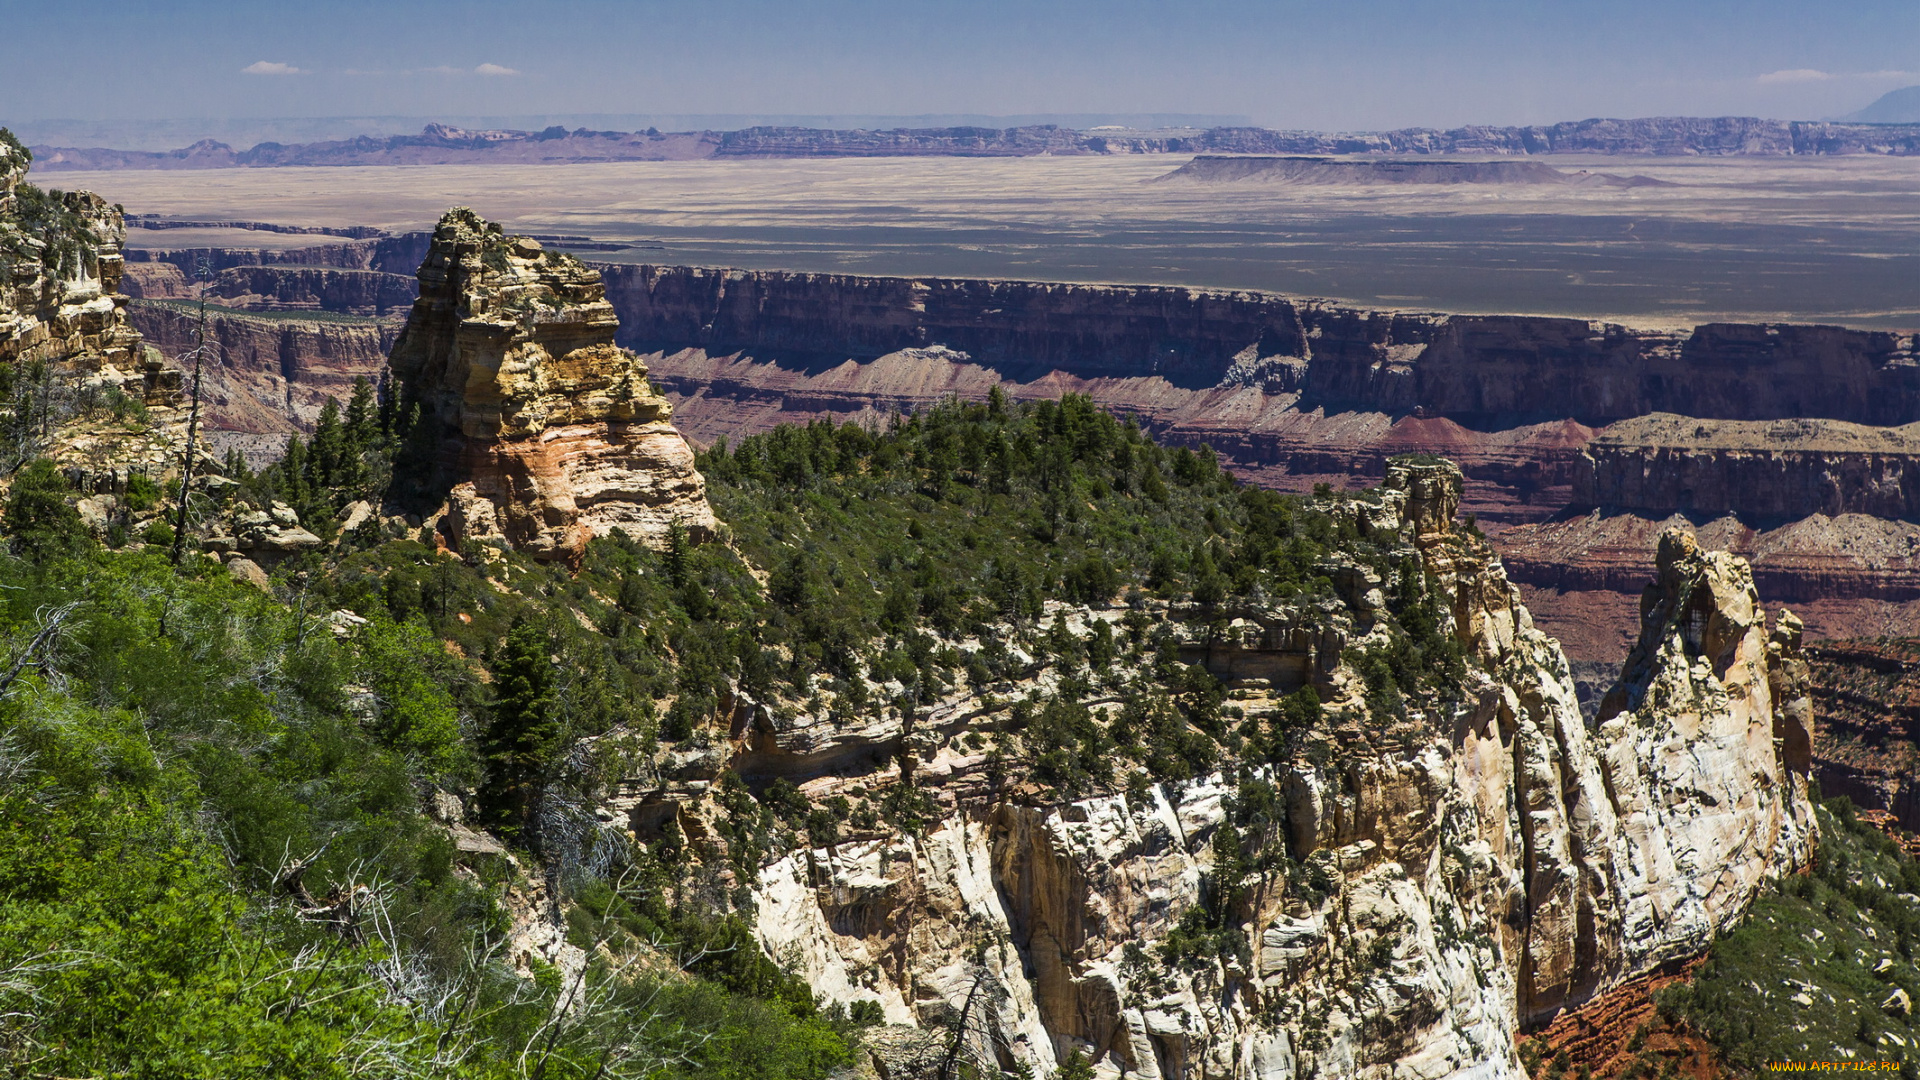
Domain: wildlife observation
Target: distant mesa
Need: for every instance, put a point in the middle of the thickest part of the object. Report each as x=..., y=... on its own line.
x=1900, y=106
x=444, y=144
x=1217, y=169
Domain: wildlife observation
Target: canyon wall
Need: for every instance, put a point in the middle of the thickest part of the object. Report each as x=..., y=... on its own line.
x=1783, y=469
x=1867, y=692
x=389, y=254
x=270, y=376
x=1470, y=368
x=1543, y=415
x=1772, y=443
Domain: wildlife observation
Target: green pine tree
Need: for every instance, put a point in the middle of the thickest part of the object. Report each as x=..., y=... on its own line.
x=522, y=733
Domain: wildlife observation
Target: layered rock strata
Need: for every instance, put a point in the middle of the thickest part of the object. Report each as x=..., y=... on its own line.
x=273, y=375
x=59, y=296
x=550, y=433
x=388, y=254
x=1473, y=369
x=1867, y=692
x=1295, y=393
x=1448, y=878
x=1783, y=469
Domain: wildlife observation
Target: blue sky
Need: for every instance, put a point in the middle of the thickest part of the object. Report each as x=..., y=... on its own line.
x=1326, y=64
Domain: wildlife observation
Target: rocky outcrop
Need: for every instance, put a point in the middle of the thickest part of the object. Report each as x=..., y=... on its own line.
x=1447, y=878
x=550, y=433
x=59, y=299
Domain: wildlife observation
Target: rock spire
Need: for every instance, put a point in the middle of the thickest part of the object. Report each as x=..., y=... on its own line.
x=547, y=433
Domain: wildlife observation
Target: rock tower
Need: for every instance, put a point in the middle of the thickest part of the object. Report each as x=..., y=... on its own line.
x=547, y=433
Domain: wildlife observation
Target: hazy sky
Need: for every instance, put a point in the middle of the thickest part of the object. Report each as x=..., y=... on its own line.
x=1320, y=64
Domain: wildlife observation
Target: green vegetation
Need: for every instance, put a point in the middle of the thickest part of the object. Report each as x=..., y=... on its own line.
x=46, y=216
x=182, y=747
x=1804, y=976
x=185, y=762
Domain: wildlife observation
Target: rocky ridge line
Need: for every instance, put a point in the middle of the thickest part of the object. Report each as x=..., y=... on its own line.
x=1447, y=890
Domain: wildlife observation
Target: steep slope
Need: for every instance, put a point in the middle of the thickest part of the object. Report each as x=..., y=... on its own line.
x=1386, y=892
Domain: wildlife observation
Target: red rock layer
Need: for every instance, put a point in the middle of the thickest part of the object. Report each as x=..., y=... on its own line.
x=1621, y=1030
x=272, y=376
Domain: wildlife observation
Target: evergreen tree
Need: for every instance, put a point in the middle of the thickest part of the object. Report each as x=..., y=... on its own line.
x=327, y=453
x=362, y=422
x=39, y=518
x=292, y=472
x=522, y=732
x=1074, y=1067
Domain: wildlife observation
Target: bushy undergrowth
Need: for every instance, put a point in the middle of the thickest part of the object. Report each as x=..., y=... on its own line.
x=170, y=743
x=1805, y=974
x=176, y=740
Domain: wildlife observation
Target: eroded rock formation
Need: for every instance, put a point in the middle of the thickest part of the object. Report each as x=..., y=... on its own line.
x=1293, y=393
x=1447, y=879
x=550, y=433
x=59, y=297
x=1470, y=368
x=274, y=374
x=1783, y=469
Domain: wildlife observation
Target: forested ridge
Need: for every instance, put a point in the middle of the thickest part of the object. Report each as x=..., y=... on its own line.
x=237, y=822
x=219, y=858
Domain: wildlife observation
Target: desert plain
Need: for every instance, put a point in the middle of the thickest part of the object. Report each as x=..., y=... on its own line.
x=1830, y=240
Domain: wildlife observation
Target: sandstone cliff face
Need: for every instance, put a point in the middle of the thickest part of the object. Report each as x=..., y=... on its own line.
x=1447, y=879
x=1469, y=368
x=59, y=297
x=552, y=433
x=1782, y=470
x=273, y=376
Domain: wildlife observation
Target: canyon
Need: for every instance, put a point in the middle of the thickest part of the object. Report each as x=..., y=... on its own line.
x=1469, y=884
x=1580, y=441
x=1434, y=875
x=1569, y=432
